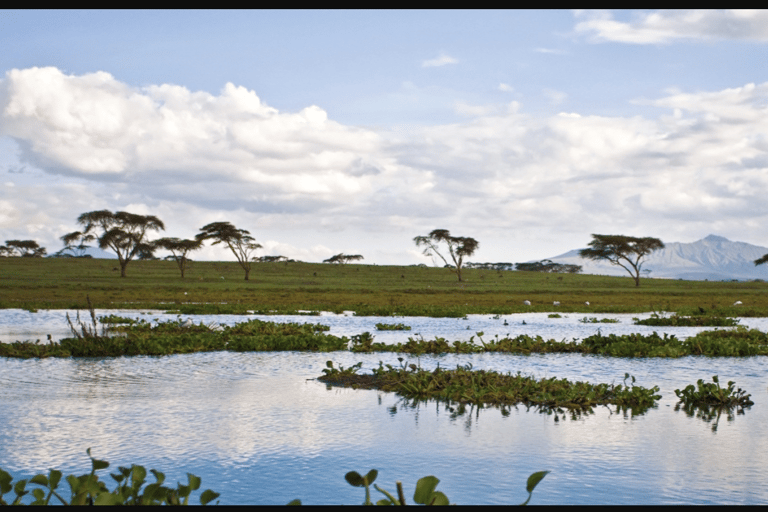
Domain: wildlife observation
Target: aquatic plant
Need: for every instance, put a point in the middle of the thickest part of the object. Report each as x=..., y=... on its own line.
x=554, y=315
x=708, y=401
x=480, y=387
x=89, y=490
x=595, y=320
x=425, y=493
x=688, y=321
x=392, y=327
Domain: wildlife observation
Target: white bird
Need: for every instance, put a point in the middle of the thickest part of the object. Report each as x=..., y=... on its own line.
x=737, y=303
x=214, y=326
x=188, y=323
x=556, y=303
x=527, y=302
x=586, y=303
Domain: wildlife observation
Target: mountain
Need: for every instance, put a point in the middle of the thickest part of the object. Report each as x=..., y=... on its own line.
x=713, y=258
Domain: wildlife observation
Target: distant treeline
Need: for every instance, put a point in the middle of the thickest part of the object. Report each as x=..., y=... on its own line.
x=536, y=266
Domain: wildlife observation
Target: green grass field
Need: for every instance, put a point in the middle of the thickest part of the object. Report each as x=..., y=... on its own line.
x=219, y=287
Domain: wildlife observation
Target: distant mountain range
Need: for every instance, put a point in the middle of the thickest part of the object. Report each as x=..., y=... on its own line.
x=713, y=258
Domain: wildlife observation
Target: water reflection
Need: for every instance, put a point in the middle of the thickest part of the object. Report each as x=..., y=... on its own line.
x=259, y=429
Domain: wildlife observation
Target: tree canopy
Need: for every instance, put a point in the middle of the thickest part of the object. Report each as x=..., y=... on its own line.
x=123, y=232
x=239, y=241
x=625, y=251
x=23, y=248
x=763, y=259
x=343, y=258
x=458, y=247
x=179, y=249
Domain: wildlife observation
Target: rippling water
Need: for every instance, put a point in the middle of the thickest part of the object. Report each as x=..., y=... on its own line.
x=259, y=429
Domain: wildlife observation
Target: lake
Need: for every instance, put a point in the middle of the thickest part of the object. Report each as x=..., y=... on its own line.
x=259, y=429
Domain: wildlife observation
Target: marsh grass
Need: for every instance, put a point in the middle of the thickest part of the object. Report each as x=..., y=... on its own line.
x=218, y=288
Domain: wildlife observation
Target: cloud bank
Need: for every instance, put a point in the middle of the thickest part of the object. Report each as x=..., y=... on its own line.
x=305, y=185
x=666, y=26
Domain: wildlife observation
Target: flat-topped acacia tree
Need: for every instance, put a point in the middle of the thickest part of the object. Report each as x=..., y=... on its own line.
x=123, y=232
x=23, y=248
x=624, y=251
x=179, y=249
x=343, y=258
x=239, y=241
x=458, y=247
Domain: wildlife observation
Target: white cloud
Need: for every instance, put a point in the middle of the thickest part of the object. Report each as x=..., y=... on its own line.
x=666, y=26
x=308, y=187
x=441, y=60
x=506, y=87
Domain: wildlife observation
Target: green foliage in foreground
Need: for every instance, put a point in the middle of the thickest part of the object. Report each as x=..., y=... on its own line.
x=688, y=321
x=479, y=387
x=131, y=489
x=425, y=493
x=89, y=490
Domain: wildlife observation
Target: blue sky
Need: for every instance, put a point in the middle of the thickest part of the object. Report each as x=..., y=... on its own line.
x=354, y=131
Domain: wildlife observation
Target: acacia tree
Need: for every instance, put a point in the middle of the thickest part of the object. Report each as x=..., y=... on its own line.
x=343, y=258
x=24, y=248
x=75, y=242
x=458, y=247
x=123, y=232
x=239, y=241
x=179, y=248
x=624, y=251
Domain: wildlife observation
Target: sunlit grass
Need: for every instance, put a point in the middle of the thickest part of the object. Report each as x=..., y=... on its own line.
x=219, y=287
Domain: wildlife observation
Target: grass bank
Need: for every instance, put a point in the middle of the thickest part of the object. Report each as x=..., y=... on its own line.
x=219, y=287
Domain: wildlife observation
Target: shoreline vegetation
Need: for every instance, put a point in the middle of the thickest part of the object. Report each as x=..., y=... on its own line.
x=211, y=287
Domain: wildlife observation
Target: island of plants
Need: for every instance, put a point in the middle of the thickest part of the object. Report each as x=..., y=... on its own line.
x=464, y=386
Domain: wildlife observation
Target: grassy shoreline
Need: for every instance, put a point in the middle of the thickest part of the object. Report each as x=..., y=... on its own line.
x=219, y=287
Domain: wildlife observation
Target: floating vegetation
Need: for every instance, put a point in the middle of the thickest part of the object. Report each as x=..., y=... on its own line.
x=176, y=337
x=89, y=490
x=595, y=320
x=115, y=319
x=708, y=401
x=554, y=315
x=688, y=321
x=392, y=327
x=465, y=386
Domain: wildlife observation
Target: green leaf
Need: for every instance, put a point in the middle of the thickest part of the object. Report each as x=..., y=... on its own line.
x=54, y=477
x=534, y=480
x=194, y=481
x=354, y=479
x=371, y=476
x=159, y=476
x=424, y=489
x=5, y=482
x=438, y=498
x=40, y=480
x=208, y=496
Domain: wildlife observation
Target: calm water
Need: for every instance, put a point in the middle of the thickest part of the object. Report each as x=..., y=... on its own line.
x=258, y=429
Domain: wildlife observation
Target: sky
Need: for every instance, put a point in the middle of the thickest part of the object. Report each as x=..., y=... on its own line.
x=326, y=132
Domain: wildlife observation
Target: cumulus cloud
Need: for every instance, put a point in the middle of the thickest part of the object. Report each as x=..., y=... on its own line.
x=666, y=26
x=308, y=187
x=441, y=60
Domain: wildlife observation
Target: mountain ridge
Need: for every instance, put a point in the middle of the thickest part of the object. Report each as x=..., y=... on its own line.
x=713, y=258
